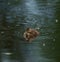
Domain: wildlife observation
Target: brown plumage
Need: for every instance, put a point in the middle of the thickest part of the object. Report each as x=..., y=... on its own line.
x=30, y=34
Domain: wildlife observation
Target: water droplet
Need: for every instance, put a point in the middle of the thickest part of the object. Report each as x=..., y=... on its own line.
x=43, y=44
x=56, y=20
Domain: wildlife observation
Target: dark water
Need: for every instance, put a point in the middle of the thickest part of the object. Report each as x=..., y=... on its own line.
x=40, y=14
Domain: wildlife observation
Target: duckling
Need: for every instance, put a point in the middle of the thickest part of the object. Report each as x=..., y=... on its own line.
x=30, y=34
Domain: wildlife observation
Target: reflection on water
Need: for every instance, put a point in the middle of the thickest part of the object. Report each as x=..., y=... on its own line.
x=37, y=14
